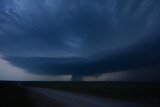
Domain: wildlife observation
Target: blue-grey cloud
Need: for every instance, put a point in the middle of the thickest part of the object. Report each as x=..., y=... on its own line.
x=83, y=37
x=135, y=75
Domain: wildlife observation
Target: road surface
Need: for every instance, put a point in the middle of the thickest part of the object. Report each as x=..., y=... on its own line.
x=43, y=97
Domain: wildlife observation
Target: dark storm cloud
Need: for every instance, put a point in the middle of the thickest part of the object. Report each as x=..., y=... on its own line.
x=82, y=37
x=145, y=55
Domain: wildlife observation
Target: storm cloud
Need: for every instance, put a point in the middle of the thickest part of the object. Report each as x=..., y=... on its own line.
x=80, y=37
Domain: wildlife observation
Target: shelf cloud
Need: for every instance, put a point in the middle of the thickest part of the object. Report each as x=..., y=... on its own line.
x=80, y=38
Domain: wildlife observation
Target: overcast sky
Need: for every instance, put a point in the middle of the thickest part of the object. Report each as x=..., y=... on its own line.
x=112, y=40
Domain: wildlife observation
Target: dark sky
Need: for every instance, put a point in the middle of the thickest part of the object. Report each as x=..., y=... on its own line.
x=82, y=38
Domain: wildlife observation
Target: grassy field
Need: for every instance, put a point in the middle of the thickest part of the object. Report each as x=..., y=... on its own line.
x=148, y=92
x=11, y=95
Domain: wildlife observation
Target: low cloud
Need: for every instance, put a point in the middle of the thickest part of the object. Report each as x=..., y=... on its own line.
x=11, y=73
x=79, y=38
